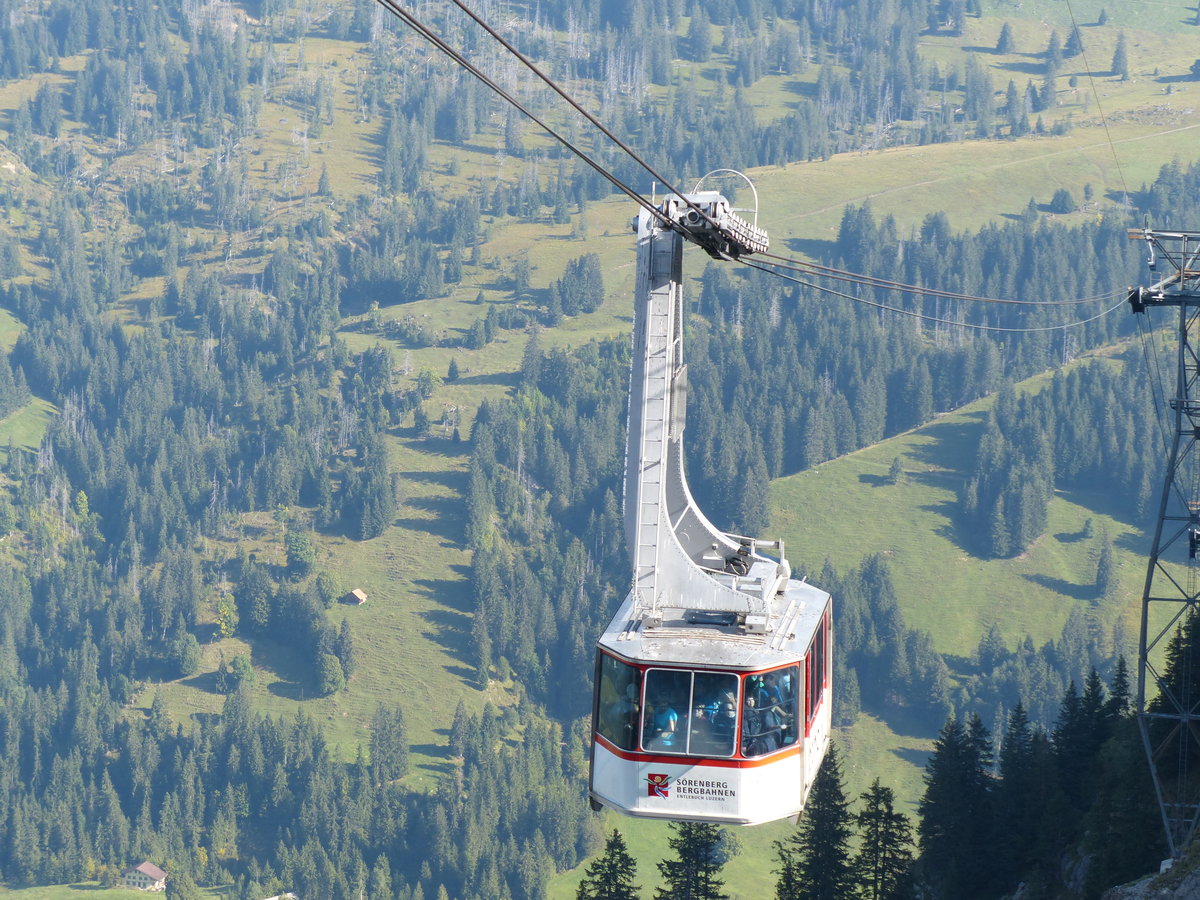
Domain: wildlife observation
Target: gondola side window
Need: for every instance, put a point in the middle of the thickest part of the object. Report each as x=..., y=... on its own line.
x=771, y=711
x=816, y=666
x=693, y=713
x=620, y=702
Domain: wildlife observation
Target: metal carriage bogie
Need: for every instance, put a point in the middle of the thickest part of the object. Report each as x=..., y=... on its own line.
x=708, y=220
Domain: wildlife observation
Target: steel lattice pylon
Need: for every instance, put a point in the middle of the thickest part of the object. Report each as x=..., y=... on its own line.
x=1168, y=692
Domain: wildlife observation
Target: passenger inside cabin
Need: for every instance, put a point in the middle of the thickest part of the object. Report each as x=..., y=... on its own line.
x=769, y=712
x=665, y=725
x=706, y=708
x=771, y=693
x=762, y=709
x=712, y=725
x=623, y=714
x=774, y=709
x=787, y=684
x=724, y=720
x=752, y=743
x=620, y=702
x=668, y=708
x=781, y=688
x=703, y=739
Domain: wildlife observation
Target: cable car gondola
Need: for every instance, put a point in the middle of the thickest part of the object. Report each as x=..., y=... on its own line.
x=713, y=680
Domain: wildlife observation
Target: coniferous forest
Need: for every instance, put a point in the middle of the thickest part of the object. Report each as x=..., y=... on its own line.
x=217, y=327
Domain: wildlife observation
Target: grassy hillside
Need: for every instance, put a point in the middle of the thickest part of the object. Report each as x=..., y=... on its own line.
x=415, y=625
x=977, y=182
x=411, y=635
x=847, y=509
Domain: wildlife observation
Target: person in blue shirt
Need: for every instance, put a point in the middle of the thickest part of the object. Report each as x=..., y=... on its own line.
x=664, y=722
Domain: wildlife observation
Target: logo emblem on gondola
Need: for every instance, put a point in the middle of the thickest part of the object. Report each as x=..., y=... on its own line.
x=658, y=785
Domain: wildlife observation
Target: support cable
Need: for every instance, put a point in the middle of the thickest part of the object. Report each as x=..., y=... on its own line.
x=927, y=318
x=399, y=12
x=874, y=281
x=1156, y=355
x=393, y=7
x=575, y=105
x=1154, y=375
x=1099, y=107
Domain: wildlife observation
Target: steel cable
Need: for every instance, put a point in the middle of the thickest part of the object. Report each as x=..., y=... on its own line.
x=928, y=318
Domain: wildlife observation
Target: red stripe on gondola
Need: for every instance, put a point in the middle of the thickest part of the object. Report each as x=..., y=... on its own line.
x=721, y=763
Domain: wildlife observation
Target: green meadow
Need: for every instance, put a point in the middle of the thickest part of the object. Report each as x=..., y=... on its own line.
x=411, y=637
x=848, y=509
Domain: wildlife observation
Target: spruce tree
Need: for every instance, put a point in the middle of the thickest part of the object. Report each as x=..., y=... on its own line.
x=1120, y=60
x=788, y=885
x=884, y=859
x=180, y=886
x=1013, y=791
x=954, y=831
x=753, y=511
x=692, y=875
x=992, y=650
x=1106, y=571
x=389, y=745
x=611, y=876
x=458, y=731
x=1123, y=811
x=1005, y=44
x=1076, y=742
x=699, y=36
x=1094, y=715
x=1062, y=202
x=1118, y=704
x=381, y=879
x=1026, y=781
x=815, y=861
x=159, y=719
x=531, y=361
x=330, y=677
x=1074, y=43
x=1053, y=54
x=1181, y=672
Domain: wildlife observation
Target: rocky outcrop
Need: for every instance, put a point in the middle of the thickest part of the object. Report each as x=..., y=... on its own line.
x=1181, y=882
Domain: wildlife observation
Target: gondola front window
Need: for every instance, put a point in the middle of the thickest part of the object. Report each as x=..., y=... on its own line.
x=714, y=714
x=619, y=702
x=690, y=712
x=668, y=702
x=771, y=711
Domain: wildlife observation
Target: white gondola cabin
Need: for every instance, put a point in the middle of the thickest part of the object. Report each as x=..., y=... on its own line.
x=713, y=680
